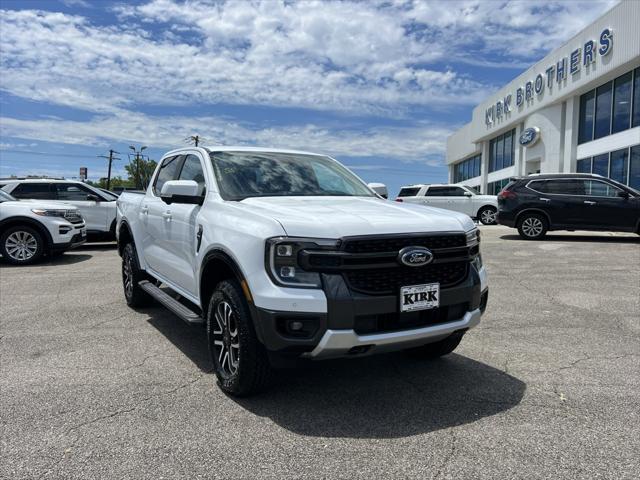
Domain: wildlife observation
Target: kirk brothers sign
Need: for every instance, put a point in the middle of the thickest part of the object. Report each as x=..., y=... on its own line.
x=580, y=57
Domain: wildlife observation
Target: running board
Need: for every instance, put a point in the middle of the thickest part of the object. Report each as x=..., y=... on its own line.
x=189, y=316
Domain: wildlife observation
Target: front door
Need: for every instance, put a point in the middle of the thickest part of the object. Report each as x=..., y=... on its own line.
x=93, y=211
x=604, y=207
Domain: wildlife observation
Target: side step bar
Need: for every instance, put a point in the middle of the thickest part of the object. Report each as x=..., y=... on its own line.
x=189, y=316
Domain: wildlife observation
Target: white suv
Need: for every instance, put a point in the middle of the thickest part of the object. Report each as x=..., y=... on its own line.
x=453, y=197
x=30, y=229
x=97, y=207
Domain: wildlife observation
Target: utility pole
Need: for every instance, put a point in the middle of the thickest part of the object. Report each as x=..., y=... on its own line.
x=111, y=158
x=194, y=139
x=138, y=156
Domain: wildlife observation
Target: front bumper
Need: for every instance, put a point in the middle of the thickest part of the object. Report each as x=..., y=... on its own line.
x=356, y=323
x=76, y=240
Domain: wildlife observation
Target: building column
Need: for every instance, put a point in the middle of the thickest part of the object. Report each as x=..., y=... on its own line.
x=518, y=153
x=484, y=167
x=568, y=162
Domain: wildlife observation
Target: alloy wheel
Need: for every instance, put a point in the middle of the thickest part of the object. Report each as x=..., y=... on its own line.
x=532, y=226
x=226, y=341
x=21, y=246
x=127, y=275
x=488, y=216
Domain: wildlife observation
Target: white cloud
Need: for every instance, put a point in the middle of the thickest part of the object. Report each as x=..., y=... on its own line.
x=409, y=144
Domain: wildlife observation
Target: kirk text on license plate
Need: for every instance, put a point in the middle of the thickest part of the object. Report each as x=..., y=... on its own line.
x=419, y=297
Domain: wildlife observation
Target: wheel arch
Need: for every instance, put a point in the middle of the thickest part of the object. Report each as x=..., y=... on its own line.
x=485, y=205
x=124, y=236
x=18, y=221
x=218, y=265
x=534, y=210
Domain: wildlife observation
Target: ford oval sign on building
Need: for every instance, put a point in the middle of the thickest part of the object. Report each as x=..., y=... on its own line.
x=529, y=136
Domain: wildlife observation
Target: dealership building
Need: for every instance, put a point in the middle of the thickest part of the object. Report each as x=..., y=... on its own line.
x=576, y=110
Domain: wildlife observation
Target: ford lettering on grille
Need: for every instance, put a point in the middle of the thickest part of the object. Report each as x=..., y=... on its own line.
x=415, y=256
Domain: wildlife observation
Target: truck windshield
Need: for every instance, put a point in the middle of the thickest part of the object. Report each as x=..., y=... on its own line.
x=243, y=175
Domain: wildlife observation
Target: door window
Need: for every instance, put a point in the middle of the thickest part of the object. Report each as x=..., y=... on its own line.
x=40, y=191
x=559, y=187
x=596, y=188
x=409, y=192
x=72, y=192
x=445, y=192
x=168, y=171
x=192, y=170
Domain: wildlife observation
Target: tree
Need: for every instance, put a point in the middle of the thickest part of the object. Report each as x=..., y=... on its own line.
x=115, y=182
x=144, y=169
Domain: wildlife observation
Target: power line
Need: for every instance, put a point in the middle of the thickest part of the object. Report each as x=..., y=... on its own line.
x=44, y=153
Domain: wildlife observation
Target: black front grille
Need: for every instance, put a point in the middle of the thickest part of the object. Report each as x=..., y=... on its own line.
x=389, y=322
x=395, y=243
x=72, y=216
x=383, y=281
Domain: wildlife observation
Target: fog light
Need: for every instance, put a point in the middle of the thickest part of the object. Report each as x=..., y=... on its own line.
x=288, y=272
x=284, y=250
x=295, y=326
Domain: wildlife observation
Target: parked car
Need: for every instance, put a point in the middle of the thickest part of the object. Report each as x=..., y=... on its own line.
x=572, y=201
x=452, y=197
x=31, y=229
x=287, y=255
x=97, y=207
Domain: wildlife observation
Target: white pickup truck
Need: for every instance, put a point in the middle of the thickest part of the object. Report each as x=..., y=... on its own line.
x=286, y=255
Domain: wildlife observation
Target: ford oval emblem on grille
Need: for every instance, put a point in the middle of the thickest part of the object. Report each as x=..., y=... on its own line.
x=415, y=256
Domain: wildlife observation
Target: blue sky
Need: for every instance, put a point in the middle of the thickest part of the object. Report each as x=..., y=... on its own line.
x=378, y=85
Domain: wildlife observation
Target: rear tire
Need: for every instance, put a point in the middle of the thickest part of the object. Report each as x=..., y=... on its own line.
x=131, y=275
x=488, y=215
x=21, y=245
x=437, y=349
x=532, y=226
x=239, y=359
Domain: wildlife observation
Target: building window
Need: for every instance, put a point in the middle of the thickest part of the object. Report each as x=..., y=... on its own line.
x=610, y=108
x=501, y=151
x=467, y=169
x=636, y=98
x=622, y=165
x=494, y=188
x=602, y=126
x=622, y=103
x=634, y=167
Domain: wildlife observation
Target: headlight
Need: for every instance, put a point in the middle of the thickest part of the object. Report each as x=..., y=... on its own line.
x=49, y=213
x=281, y=258
x=473, y=237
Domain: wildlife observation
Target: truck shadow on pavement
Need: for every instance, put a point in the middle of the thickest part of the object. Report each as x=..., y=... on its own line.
x=67, y=258
x=384, y=396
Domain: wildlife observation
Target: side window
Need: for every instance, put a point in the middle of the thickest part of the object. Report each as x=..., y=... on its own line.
x=409, y=192
x=168, y=171
x=559, y=187
x=192, y=170
x=595, y=188
x=456, y=192
x=39, y=191
x=438, y=192
x=71, y=191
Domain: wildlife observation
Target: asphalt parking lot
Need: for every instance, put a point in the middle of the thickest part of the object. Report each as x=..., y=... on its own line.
x=548, y=386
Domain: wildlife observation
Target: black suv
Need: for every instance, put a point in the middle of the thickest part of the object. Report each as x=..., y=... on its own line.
x=575, y=201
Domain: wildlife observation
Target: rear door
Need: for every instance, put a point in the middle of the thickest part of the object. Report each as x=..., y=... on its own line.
x=559, y=198
x=448, y=197
x=154, y=214
x=410, y=194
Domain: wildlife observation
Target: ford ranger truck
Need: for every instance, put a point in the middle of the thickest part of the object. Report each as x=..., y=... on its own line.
x=287, y=255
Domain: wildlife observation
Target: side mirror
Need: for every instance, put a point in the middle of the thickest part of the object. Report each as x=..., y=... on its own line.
x=623, y=194
x=379, y=188
x=181, y=191
x=468, y=194
x=93, y=198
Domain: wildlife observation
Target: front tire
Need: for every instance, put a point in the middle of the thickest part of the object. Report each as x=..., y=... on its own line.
x=21, y=245
x=239, y=359
x=131, y=275
x=488, y=215
x=437, y=349
x=532, y=226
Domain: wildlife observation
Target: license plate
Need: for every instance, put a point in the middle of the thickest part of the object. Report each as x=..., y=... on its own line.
x=419, y=297
x=83, y=232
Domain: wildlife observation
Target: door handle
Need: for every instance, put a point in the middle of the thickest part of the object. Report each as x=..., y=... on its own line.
x=144, y=210
x=166, y=215
x=544, y=199
x=589, y=202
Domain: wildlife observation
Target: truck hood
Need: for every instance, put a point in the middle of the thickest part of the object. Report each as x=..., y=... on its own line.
x=336, y=217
